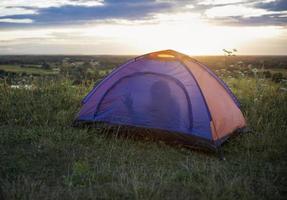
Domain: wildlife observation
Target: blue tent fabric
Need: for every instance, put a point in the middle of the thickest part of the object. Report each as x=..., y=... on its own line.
x=137, y=81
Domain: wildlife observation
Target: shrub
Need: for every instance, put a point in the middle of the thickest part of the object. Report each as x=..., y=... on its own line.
x=277, y=77
x=267, y=74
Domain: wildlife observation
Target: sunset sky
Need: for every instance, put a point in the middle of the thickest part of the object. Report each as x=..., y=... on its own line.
x=196, y=27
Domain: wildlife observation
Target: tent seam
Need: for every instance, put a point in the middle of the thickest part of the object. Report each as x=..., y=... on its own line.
x=108, y=77
x=190, y=72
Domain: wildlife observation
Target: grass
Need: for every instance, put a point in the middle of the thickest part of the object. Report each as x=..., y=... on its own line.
x=275, y=70
x=42, y=157
x=27, y=70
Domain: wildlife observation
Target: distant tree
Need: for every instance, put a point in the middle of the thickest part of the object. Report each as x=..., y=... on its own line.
x=277, y=77
x=267, y=74
x=87, y=64
x=228, y=53
x=64, y=68
x=1, y=193
x=46, y=65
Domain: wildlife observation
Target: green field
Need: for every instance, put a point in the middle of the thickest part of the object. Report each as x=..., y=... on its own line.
x=28, y=70
x=43, y=157
x=279, y=70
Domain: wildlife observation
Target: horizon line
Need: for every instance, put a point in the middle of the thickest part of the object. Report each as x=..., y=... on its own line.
x=136, y=55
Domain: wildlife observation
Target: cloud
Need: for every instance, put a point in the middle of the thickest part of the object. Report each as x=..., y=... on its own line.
x=235, y=10
x=75, y=12
x=18, y=9
x=13, y=11
x=137, y=26
x=248, y=13
x=221, y=2
x=277, y=5
x=265, y=20
x=110, y=11
x=17, y=21
x=49, y=3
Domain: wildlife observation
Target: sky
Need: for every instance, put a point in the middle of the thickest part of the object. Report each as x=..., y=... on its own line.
x=133, y=27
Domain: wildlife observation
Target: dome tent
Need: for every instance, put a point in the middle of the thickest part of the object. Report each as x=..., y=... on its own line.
x=169, y=91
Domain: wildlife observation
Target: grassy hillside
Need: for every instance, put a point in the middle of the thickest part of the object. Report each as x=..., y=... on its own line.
x=42, y=157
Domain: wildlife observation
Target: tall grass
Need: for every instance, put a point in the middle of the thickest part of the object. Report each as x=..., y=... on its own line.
x=46, y=103
x=42, y=157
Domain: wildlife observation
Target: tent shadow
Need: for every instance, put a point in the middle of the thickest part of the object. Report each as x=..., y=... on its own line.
x=151, y=135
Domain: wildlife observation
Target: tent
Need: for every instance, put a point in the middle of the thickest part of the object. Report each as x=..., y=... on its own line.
x=166, y=90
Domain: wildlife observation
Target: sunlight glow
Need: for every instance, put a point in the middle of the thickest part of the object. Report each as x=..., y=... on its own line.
x=183, y=32
x=165, y=56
